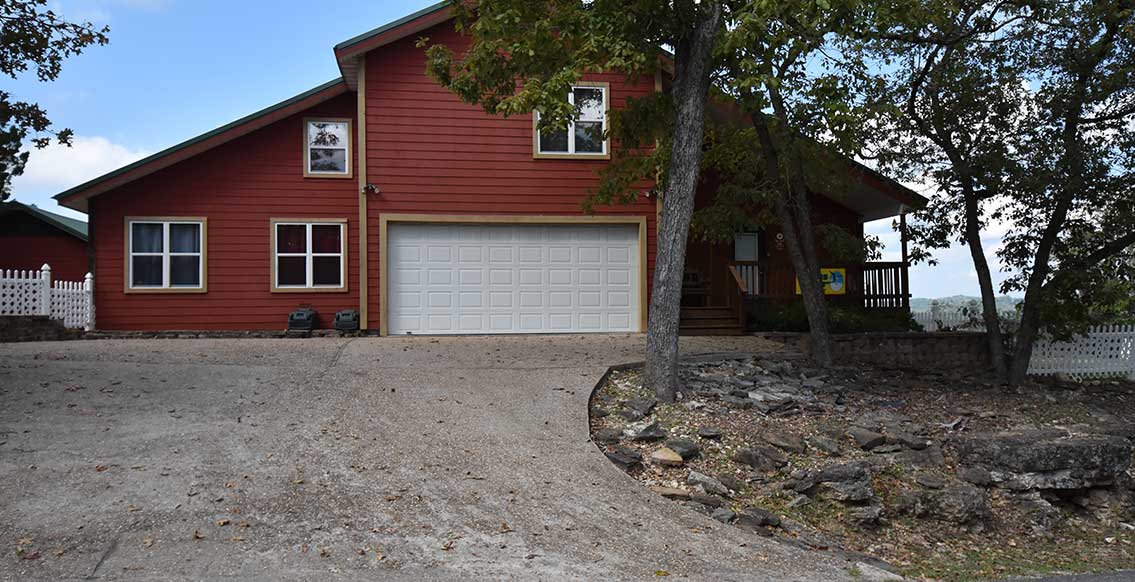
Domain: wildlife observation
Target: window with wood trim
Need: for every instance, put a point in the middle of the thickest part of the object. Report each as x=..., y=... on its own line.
x=586, y=135
x=309, y=255
x=327, y=148
x=166, y=254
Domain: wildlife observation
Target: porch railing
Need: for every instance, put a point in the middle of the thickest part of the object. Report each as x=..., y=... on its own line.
x=877, y=285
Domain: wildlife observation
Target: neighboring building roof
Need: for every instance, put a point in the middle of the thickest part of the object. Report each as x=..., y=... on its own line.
x=76, y=197
x=74, y=227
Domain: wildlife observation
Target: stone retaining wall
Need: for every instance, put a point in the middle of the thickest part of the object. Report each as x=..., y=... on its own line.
x=32, y=328
x=941, y=350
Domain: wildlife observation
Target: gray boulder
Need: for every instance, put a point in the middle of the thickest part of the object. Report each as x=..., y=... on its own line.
x=785, y=441
x=961, y=504
x=1046, y=459
x=685, y=447
x=709, y=484
x=625, y=457
x=762, y=457
x=645, y=432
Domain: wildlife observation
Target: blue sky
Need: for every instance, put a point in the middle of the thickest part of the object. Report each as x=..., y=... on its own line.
x=178, y=68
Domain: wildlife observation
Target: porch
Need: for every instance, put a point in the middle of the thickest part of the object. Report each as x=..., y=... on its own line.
x=718, y=290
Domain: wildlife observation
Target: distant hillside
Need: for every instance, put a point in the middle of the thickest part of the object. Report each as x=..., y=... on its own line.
x=1004, y=302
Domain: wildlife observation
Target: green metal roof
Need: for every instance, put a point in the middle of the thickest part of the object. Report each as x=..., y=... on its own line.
x=395, y=24
x=200, y=138
x=72, y=226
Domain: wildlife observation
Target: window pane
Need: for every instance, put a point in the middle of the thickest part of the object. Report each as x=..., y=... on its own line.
x=146, y=237
x=185, y=238
x=589, y=102
x=325, y=238
x=327, y=134
x=329, y=161
x=291, y=271
x=291, y=238
x=185, y=271
x=146, y=272
x=588, y=137
x=554, y=140
x=325, y=270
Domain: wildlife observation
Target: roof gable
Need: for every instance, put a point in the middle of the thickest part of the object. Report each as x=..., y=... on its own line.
x=76, y=198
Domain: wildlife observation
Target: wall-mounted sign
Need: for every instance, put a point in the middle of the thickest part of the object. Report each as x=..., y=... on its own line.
x=834, y=281
x=779, y=241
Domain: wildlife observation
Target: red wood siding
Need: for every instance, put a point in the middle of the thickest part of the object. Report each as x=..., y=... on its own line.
x=430, y=153
x=27, y=243
x=238, y=187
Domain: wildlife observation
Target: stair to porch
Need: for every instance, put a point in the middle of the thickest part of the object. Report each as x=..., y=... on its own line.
x=709, y=321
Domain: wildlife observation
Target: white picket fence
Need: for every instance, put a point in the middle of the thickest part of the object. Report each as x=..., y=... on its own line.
x=1106, y=351
x=34, y=293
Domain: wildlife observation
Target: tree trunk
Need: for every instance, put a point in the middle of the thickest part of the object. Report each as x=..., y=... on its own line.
x=795, y=217
x=989, y=312
x=690, y=91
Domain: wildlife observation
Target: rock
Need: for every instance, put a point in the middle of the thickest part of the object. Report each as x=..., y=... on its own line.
x=723, y=515
x=598, y=412
x=975, y=474
x=930, y=457
x=734, y=484
x=785, y=441
x=799, y=500
x=686, y=448
x=910, y=441
x=625, y=457
x=642, y=405
x=960, y=504
x=850, y=482
x=824, y=444
x=631, y=415
x=736, y=402
x=887, y=449
x=930, y=480
x=865, y=515
x=849, y=491
x=644, y=432
x=762, y=458
x=758, y=517
x=670, y=492
x=1046, y=459
x=667, y=458
x=868, y=573
x=709, y=432
x=707, y=500
x=709, y=484
x=866, y=439
x=608, y=436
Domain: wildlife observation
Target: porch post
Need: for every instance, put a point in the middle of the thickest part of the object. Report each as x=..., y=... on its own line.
x=905, y=292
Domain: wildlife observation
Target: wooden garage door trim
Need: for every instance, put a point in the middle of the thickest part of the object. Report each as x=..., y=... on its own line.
x=384, y=221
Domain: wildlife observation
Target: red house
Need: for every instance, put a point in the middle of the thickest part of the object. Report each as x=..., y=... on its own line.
x=381, y=192
x=31, y=237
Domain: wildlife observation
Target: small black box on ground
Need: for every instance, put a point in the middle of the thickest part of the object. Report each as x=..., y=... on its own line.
x=347, y=320
x=302, y=319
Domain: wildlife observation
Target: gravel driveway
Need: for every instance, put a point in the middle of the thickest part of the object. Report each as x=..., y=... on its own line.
x=335, y=459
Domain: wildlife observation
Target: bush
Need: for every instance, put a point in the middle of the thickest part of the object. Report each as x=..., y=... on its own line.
x=765, y=315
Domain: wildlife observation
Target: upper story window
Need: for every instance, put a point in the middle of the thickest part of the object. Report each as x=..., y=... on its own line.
x=327, y=148
x=309, y=254
x=584, y=137
x=165, y=254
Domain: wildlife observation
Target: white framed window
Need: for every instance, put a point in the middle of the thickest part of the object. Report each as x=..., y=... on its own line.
x=583, y=137
x=327, y=148
x=309, y=255
x=165, y=254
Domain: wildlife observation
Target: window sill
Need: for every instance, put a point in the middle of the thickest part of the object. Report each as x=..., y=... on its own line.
x=342, y=289
x=541, y=156
x=346, y=176
x=160, y=290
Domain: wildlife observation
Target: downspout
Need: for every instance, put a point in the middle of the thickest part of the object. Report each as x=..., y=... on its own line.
x=361, y=148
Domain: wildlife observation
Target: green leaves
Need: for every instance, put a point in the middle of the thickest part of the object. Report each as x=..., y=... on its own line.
x=33, y=37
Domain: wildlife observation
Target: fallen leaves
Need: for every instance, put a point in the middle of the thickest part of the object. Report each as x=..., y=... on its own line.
x=148, y=542
x=223, y=522
x=197, y=535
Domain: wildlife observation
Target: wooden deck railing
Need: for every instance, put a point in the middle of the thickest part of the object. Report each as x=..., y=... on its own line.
x=874, y=285
x=737, y=297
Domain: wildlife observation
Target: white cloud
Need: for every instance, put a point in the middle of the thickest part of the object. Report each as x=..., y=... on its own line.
x=57, y=167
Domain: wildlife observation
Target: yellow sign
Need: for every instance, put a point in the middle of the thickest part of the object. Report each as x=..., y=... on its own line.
x=834, y=281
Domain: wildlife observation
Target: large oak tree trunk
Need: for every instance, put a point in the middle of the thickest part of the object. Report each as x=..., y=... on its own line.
x=690, y=92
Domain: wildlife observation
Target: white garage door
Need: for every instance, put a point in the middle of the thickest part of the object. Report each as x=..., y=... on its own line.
x=501, y=278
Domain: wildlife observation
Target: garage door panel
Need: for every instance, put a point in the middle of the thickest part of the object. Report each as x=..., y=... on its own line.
x=487, y=278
